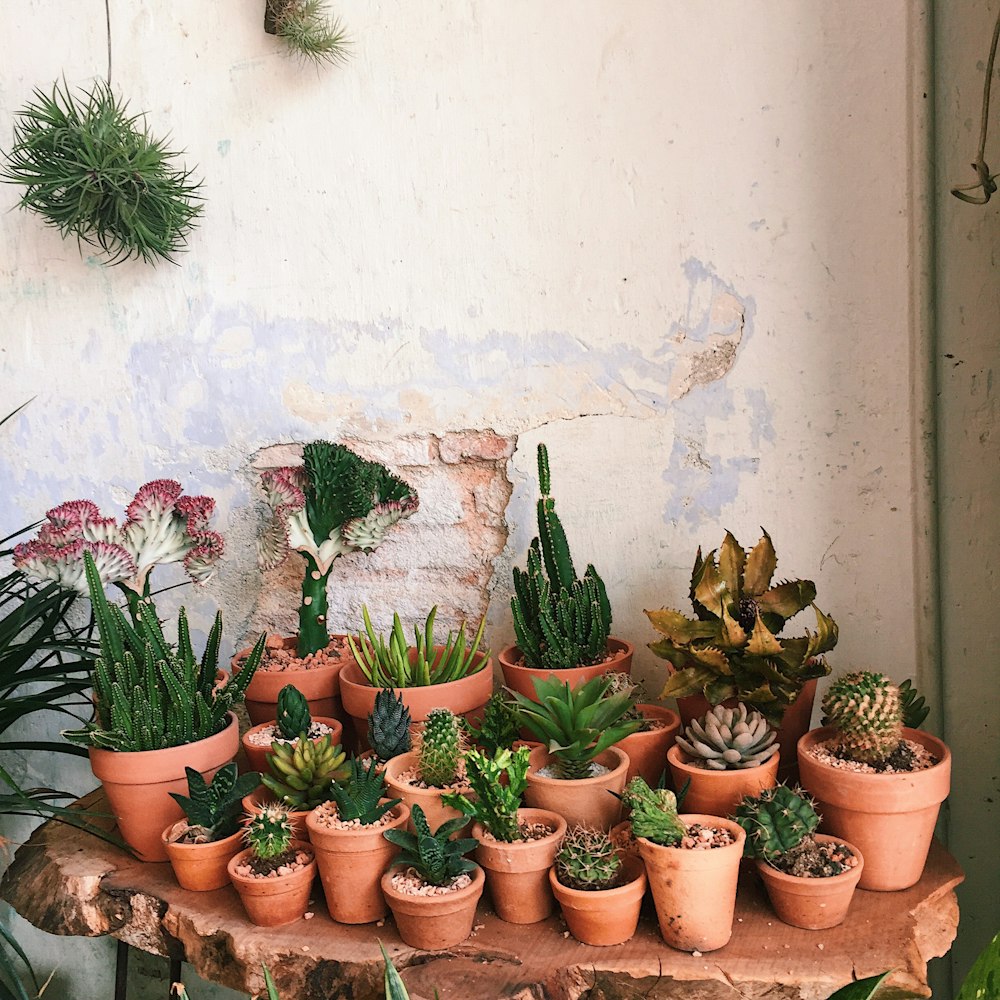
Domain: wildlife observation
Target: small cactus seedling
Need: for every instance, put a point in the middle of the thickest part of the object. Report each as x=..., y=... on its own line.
x=727, y=739
x=436, y=858
x=654, y=813
x=357, y=796
x=441, y=747
x=866, y=711
x=294, y=719
x=268, y=833
x=588, y=860
x=213, y=808
x=301, y=772
x=776, y=821
x=497, y=801
x=389, y=726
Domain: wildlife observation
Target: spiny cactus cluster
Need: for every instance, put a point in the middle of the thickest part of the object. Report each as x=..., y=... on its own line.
x=728, y=739
x=866, y=711
x=268, y=832
x=389, y=726
x=560, y=621
x=498, y=728
x=357, y=796
x=294, y=719
x=588, y=860
x=440, y=748
x=776, y=821
x=654, y=813
x=301, y=772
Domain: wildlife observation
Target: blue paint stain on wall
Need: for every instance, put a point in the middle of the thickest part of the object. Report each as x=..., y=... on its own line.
x=223, y=146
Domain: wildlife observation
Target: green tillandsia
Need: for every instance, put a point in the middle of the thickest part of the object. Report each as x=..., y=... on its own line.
x=308, y=29
x=497, y=800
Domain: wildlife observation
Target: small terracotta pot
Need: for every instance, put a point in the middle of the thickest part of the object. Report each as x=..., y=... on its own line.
x=890, y=817
x=647, y=751
x=517, y=874
x=200, y=867
x=429, y=799
x=257, y=756
x=603, y=917
x=585, y=801
x=466, y=697
x=271, y=902
x=434, y=922
x=695, y=891
x=718, y=793
x=138, y=785
x=812, y=903
x=351, y=864
x=320, y=686
x=521, y=679
x=263, y=796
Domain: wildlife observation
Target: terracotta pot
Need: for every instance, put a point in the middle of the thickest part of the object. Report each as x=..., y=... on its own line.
x=517, y=874
x=647, y=751
x=271, y=902
x=695, y=891
x=263, y=796
x=794, y=725
x=521, y=678
x=320, y=686
x=586, y=801
x=200, y=867
x=718, y=793
x=466, y=697
x=812, y=903
x=257, y=756
x=429, y=799
x=890, y=817
x=434, y=922
x=351, y=864
x=137, y=785
x=603, y=916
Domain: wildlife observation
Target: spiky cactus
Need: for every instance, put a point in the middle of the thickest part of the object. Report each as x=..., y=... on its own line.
x=389, y=726
x=588, y=860
x=654, y=813
x=498, y=728
x=440, y=748
x=866, y=711
x=728, y=739
x=301, y=772
x=268, y=833
x=357, y=795
x=560, y=621
x=294, y=719
x=776, y=821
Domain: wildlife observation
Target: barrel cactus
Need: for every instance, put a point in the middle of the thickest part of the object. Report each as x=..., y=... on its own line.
x=268, y=833
x=587, y=860
x=776, y=821
x=867, y=713
x=442, y=744
x=729, y=739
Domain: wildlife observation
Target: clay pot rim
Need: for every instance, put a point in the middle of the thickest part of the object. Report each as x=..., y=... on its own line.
x=519, y=846
x=614, y=750
x=688, y=819
x=769, y=873
x=400, y=814
x=474, y=888
x=929, y=775
x=173, y=845
x=675, y=756
x=328, y=720
x=623, y=648
x=242, y=880
x=628, y=888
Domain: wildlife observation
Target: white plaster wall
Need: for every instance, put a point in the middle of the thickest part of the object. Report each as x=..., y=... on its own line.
x=672, y=240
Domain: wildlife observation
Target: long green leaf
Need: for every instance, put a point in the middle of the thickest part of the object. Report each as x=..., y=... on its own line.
x=394, y=987
x=983, y=980
x=863, y=989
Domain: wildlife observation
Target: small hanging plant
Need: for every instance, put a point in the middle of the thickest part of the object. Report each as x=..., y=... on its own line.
x=93, y=171
x=308, y=29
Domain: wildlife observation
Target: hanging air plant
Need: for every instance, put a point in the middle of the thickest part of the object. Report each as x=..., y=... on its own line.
x=308, y=29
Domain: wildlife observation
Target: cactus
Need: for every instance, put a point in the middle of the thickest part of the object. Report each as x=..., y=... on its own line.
x=213, y=809
x=302, y=771
x=357, y=796
x=497, y=801
x=498, y=728
x=727, y=739
x=654, y=813
x=588, y=860
x=436, y=859
x=294, y=719
x=560, y=621
x=866, y=711
x=440, y=749
x=731, y=649
x=776, y=821
x=268, y=833
x=389, y=726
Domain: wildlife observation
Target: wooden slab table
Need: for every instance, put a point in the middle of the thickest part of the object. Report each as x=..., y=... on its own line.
x=66, y=882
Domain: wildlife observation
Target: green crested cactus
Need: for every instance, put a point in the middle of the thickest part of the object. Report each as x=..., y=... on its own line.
x=213, y=808
x=776, y=821
x=654, y=813
x=498, y=728
x=301, y=772
x=728, y=739
x=441, y=745
x=560, y=621
x=294, y=719
x=389, y=726
x=497, y=799
x=865, y=710
x=268, y=833
x=588, y=860
x=357, y=795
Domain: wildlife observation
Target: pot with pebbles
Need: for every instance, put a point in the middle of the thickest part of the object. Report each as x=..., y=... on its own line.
x=351, y=853
x=658, y=726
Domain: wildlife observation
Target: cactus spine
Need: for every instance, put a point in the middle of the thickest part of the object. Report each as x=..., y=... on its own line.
x=269, y=833
x=389, y=725
x=294, y=719
x=776, y=821
x=587, y=860
x=866, y=711
x=441, y=747
x=728, y=739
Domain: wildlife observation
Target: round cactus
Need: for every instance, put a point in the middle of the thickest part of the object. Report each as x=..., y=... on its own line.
x=727, y=739
x=269, y=832
x=441, y=746
x=866, y=710
x=776, y=821
x=294, y=719
x=587, y=860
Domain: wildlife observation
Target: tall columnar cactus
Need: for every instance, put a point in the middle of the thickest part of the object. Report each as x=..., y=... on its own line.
x=654, y=813
x=729, y=739
x=293, y=718
x=440, y=749
x=560, y=621
x=336, y=503
x=776, y=821
x=587, y=860
x=268, y=833
x=866, y=711
x=389, y=725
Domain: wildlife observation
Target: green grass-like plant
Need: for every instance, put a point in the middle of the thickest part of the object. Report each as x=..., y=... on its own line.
x=94, y=171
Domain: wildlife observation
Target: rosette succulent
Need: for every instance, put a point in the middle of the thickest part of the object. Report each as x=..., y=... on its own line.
x=729, y=739
x=335, y=503
x=731, y=648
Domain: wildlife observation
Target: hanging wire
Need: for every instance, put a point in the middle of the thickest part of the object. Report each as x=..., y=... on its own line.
x=107, y=21
x=986, y=180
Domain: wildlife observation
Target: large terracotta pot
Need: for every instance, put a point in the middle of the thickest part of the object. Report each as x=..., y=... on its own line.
x=434, y=922
x=584, y=801
x=429, y=799
x=320, y=686
x=351, y=864
x=271, y=902
x=890, y=817
x=521, y=679
x=603, y=917
x=257, y=756
x=138, y=785
x=718, y=793
x=812, y=903
x=466, y=697
x=647, y=751
x=517, y=874
x=200, y=867
x=263, y=796
x=695, y=891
